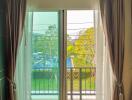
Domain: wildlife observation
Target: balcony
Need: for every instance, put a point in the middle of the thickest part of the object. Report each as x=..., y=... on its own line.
x=80, y=83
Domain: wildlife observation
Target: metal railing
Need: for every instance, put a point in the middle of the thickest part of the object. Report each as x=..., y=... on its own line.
x=80, y=81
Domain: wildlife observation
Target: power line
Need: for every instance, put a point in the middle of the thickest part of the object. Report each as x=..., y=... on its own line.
x=67, y=29
x=78, y=29
x=42, y=24
x=80, y=23
x=67, y=23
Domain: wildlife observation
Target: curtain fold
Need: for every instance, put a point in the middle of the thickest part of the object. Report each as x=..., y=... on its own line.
x=24, y=62
x=14, y=18
x=103, y=65
x=107, y=74
x=112, y=12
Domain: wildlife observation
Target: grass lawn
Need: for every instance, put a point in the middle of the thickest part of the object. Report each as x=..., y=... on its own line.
x=53, y=84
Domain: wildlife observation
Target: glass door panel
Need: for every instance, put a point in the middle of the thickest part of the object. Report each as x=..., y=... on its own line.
x=80, y=60
x=45, y=56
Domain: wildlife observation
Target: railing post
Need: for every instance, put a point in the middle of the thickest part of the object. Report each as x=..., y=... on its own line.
x=90, y=80
x=39, y=81
x=80, y=82
x=71, y=85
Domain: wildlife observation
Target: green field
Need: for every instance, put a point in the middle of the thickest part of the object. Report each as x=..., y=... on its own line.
x=53, y=84
x=46, y=80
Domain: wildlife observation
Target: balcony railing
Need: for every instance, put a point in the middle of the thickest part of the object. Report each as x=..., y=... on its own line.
x=80, y=81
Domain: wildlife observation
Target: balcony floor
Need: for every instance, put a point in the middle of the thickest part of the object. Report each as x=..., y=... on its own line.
x=54, y=97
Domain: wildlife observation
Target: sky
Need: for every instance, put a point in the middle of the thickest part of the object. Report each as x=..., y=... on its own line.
x=76, y=21
x=41, y=21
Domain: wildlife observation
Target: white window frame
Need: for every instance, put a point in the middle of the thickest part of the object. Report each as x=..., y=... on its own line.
x=63, y=6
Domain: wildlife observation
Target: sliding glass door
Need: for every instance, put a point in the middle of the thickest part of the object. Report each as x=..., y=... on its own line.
x=45, y=56
x=63, y=55
x=80, y=62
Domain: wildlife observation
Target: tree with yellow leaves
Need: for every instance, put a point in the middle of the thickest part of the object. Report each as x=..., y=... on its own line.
x=83, y=49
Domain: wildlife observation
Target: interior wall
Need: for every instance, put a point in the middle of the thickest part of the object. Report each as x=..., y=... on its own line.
x=62, y=4
x=87, y=4
x=1, y=52
x=127, y=74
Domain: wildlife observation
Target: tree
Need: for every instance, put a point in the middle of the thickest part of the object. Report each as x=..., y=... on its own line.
x=46, y=44
x=83, y=49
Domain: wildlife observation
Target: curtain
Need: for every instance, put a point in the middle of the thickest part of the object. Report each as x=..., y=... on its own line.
x=24, y=61
x=99, y=57
x=103, y=69
x=107, y=74
x=112, y=13
x=14, y=18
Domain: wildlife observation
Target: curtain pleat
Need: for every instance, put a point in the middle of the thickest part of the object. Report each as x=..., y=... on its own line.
x=14, y=18
x=112, y=12
x=24, y=62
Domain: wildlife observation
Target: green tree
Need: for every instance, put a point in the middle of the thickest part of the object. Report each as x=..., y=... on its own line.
x=70, y=47
x=46, y=43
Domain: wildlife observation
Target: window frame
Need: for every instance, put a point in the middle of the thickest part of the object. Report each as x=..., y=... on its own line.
x=62, y=46
x=60, y=5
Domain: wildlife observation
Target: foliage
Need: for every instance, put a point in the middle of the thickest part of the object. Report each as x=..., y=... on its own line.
x=45, y=46
x=46, y=43
x=82, y=50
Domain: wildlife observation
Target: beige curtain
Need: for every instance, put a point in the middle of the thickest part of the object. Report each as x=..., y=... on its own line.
x=14, y=18
x=112, y=12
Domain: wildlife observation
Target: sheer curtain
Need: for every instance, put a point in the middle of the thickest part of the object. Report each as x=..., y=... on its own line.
x=103, y=65
x=23, y=69
x=107, y=74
